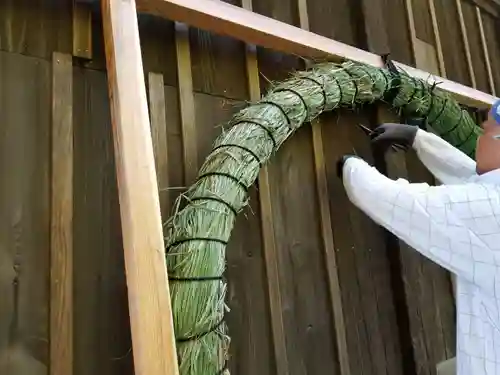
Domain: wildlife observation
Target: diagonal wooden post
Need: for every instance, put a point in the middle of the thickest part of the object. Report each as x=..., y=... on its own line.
x=153, y=340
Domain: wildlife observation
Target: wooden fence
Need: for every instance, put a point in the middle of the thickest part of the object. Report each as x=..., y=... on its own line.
x=314, y=286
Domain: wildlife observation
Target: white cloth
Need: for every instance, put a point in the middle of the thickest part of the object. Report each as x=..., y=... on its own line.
x=457, y=225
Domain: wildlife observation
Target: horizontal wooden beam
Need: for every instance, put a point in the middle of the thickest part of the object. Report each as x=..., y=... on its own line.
x=226, y=19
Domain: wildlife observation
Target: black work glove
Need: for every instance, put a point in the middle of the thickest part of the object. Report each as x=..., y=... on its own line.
x=341, y=162
x=389, y=134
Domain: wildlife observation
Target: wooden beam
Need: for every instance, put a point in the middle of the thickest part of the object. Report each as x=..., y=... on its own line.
x=61, y=222
x=82, y=30
x=153, y=340
x=226, y=19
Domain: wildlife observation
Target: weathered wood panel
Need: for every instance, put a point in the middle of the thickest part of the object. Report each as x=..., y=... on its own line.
x=423, y=23
x=490, y=25
x=61, y=222
x=474, y=36
x=36, y=28
x=102, y=333
x=374, y=338
x=24, y=214
x=451, y=41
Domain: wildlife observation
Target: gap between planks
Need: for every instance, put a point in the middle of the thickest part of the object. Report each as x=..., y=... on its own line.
x=61, y=217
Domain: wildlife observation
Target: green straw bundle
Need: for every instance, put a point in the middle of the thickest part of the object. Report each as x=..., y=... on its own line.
x=199, y=229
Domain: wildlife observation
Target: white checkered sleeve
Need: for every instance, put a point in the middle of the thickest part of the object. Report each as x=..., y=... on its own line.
x=456, y=226
x=447, y=163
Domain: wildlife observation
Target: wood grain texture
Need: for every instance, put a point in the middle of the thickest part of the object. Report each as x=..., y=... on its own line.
x=490, y=27
x=426, y=57
x=332, y=19
x=157, y=110
x=149, y=295
x=465, y=41
x=100, y=285
x=82, y=30
x=453, y=53
x=396, y=21
x=485, y=51
x=490, y=6
x=186, y=102
x=423, y=24
x=25, y=115
x=474, y=38
x=211, y=54
x=61, y=225
x=36, y=28
x=307, y=313
x=373, y=340
x=436, y=26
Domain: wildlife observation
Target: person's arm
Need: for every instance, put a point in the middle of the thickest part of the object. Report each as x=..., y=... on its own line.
x=447, y=163
x=437, y=221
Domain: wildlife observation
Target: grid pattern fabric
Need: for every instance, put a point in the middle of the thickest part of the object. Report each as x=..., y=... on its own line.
x=456, y=225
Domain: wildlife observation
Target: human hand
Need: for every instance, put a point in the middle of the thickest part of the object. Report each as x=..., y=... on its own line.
x=390, y=134
x=341, y=162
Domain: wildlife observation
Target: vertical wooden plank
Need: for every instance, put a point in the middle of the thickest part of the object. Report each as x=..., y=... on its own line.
x=149, y=295
x=465, y=41
x=157, y=112
x=486, y=54
x=100, y=285
x=82, y=30
x=186, y=102
x=267, y=227
x=326, y=224
x=25, y=106
x=61, y=228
